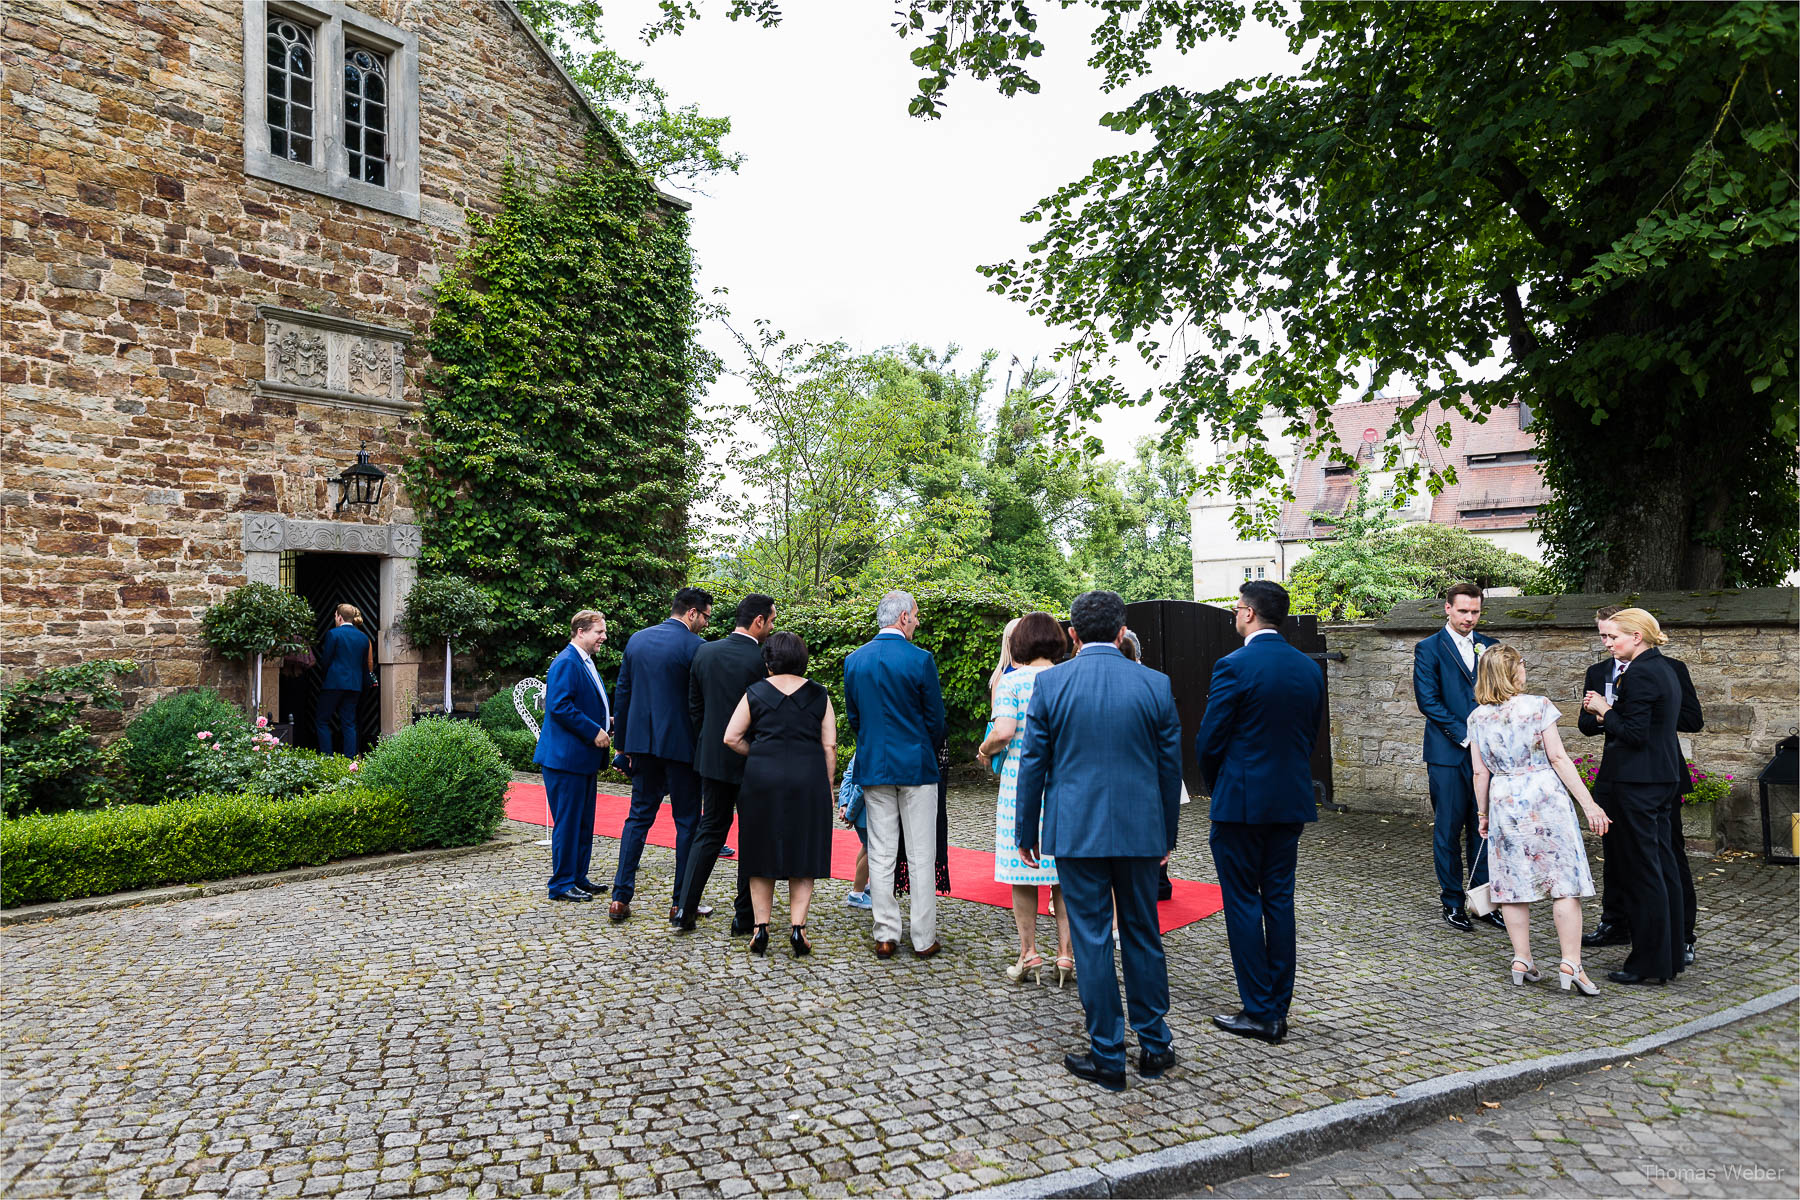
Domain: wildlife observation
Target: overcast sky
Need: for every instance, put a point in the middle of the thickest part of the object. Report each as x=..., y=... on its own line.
x=852, y=220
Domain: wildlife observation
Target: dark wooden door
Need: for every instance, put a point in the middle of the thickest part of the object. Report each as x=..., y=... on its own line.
x=1184, y=638
x=325, y=581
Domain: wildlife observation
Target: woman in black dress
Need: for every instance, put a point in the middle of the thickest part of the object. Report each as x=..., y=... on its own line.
x=786, y=727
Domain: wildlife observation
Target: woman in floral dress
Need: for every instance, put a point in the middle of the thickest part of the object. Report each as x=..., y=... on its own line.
x=1036, y=643
x=1533, y=842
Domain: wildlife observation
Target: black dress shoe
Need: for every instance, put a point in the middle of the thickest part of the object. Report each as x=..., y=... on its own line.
x=573, y=897
x=592, y=889
x=742, y=928
x=1152, y=1065
x=1494, y=918
x=1629, y=977
x=1687, y=954
x=1606, y=934
x=1456, y=918
x=1083, y=1066
x=1281, y=1029
x=1246, y=1026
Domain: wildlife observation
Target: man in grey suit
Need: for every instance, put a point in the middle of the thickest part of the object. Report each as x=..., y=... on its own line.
x=1102, y=762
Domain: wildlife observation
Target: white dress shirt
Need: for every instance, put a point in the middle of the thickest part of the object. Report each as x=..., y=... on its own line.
x=1254, y=634
x=594, y=674
x=1466, y=645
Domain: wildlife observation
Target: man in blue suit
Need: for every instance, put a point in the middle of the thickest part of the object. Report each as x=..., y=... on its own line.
x=572, y=750
x=1255, y=752
x=896, y=706
x=656, y=740
x=1444, y=688
x=1102, y=764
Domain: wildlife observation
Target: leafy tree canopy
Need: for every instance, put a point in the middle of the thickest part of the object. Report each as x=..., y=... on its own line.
x=1145, y=550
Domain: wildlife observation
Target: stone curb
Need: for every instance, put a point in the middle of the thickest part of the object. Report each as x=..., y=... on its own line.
x=243, y=883
x=1187, y=1169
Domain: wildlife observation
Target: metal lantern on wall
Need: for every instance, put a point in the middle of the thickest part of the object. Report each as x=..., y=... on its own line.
x=362, y=483
x=1779, y=785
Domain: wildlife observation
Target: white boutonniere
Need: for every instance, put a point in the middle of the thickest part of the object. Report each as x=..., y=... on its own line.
x=1479, y=647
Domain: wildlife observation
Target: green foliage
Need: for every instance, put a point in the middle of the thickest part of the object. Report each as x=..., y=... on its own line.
x=69, y=855
x=452, y=776
x=446, y=608
x=563, y=370
x=1449, y=554
x=517, y=747
x=680, y=145
x=258, y=618
x=155, y=747
x=1145, y=551
x=498, y=713
x=48, y=757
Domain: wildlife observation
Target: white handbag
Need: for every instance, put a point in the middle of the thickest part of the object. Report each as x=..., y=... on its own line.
x=1477, y=899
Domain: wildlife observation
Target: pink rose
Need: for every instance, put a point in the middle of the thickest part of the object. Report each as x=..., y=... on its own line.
x=354, y=766
x=262, y=722
x=203, y=734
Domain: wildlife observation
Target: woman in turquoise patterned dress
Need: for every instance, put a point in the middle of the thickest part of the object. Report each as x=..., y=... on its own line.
x=1533, y=843
x=1036, y=643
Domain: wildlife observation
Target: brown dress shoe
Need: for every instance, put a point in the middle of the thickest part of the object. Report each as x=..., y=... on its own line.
x=618, y=910
x=928, y=951
x=886, y=949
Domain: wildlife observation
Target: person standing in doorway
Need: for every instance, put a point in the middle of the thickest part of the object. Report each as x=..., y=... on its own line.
x=1444, y=689
x=346, y=658
x=572, y=750
x=656, y=740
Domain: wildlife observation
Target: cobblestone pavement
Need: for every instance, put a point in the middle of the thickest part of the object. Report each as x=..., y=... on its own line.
x=1718, y=1115
x=442, y=1028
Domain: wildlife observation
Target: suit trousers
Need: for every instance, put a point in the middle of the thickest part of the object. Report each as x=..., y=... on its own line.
x=1090, y=887
x=571, y=797
x=652, y=779
x=1647, y=868
x=335, y=711
x=891, y=809
x=1256, y=873
x=718, y=803
x=1454, y=828
x=1612, y=881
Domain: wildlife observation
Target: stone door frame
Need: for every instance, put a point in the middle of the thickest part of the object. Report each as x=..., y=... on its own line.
x=268, y=535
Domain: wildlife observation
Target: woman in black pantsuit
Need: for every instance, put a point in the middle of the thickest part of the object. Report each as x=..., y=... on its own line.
x=786, y=727
x=1643, y=765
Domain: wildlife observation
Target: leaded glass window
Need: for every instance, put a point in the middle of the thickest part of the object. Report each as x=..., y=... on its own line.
x=291, y=75
x=366, y=114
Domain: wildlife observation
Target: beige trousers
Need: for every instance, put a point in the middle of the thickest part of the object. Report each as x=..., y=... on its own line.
x=913, y=808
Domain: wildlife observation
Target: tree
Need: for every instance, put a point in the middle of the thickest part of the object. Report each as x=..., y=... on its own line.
x=255, y=620
x=447, y=608
x=679, y=145
x=1605, y=193
x=1143, y=550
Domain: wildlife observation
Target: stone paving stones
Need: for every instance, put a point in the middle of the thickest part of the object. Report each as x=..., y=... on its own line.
x=441, y=1029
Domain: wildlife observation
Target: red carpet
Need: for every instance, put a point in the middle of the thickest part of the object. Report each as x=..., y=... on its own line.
x=971, y=871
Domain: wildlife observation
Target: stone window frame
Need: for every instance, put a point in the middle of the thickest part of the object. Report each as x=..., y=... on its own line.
x=335, y=23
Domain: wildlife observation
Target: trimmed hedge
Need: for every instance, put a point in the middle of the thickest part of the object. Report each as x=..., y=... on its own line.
x=453, y=778
x=158, y=740
x=65, y=856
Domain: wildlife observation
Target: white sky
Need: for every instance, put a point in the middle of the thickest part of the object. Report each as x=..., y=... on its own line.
x=852, y=220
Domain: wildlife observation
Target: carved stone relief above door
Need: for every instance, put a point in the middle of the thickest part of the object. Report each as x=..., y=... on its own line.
x=333, y=360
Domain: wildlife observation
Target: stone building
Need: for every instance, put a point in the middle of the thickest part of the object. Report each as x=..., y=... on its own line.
x=222, y=223
x=1496, y=494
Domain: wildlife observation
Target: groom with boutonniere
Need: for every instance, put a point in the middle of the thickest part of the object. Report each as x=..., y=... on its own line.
x=1444, y=689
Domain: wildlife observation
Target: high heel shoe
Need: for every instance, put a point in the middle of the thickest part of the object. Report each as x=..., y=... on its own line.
x=797, y=939
x=1065, y=970
x=1033, y=962
x=1528, y=975
x=1571, y=973
x=759, y=945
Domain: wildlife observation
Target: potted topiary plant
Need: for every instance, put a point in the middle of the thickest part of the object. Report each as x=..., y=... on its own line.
x=450, y=609
x=254, y=620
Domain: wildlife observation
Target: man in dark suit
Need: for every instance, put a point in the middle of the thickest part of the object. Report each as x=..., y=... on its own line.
x=572, y=750
x=1602, y=679
x=1255, y=751
x=896, y=706
x=1444, y=689
x=1102, y=763
x=1642, y=766
x=717, y=678
x=656, y=738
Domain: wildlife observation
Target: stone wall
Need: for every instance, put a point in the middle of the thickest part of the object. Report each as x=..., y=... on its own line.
x=140, y=430
x=1742, y=648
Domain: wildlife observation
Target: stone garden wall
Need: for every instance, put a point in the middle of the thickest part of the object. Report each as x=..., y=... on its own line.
x=1742, y=648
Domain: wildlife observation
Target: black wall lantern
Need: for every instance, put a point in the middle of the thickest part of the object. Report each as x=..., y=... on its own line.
x=1779, y=784
x=361, y=482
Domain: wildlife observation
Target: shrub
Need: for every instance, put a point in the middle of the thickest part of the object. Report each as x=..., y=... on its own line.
x=453, y=778
x=48, y=757
x=156, y=743
x=499, y=715
x=517, y=747
x=69, y=855
x=224, y=758
x=292, y=771
x=446, y=609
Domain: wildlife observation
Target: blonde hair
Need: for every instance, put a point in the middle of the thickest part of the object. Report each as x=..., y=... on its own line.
x=353, y=615
x=584, y=620
x=1006, y=655
x=1636, y=620
x=1497, y=674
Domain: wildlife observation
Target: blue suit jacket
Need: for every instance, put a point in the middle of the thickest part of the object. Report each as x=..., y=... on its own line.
x=1101, y=760
x=896, y=707
x=1445, y=692
x=344, y=655
x=1255, y=744
x=574, y=711
x=650, y=701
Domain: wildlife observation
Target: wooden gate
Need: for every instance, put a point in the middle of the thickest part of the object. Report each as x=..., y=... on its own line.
x=1183, y=639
